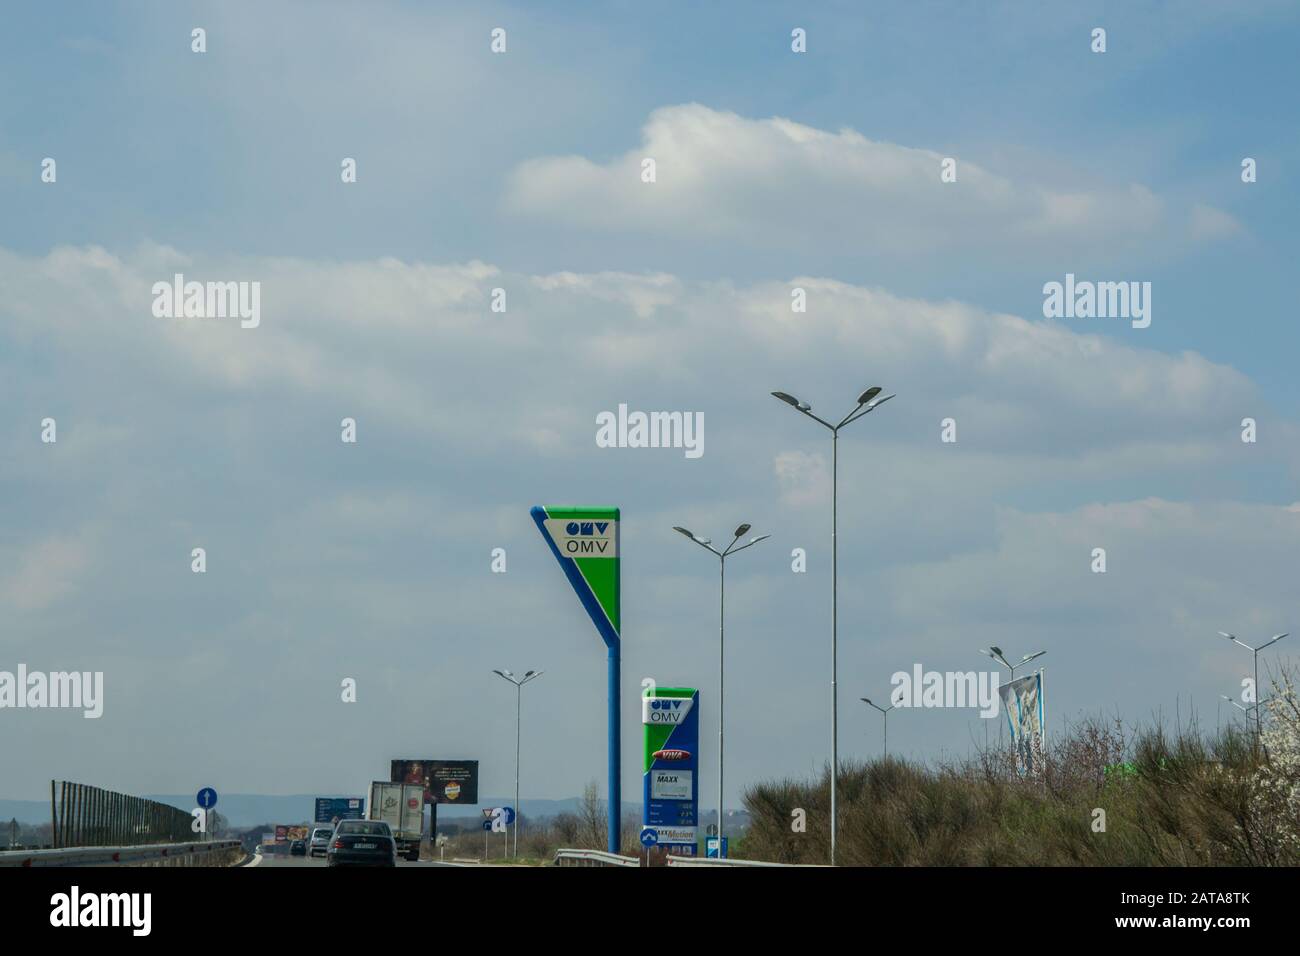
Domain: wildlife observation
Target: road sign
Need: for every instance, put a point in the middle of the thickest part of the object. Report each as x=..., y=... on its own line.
x=207, y=798
x=649, y=837
x=509, y=814
x=715, y=848
x=711, y=830
x=487, y=825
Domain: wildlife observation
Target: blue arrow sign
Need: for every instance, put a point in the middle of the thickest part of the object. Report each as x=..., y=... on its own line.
x=207, y=798
x=649, y=837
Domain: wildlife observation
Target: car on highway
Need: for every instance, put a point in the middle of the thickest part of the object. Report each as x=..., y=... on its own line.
x=320, y=841
x=298, y=848
x=362, y=843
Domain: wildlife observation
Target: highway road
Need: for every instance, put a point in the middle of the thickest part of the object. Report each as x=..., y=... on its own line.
x=277, y=860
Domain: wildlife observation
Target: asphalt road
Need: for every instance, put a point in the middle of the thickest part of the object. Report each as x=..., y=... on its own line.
x=277, y=860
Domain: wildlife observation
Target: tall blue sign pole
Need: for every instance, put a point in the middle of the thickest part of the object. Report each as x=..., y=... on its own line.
x=585, y=542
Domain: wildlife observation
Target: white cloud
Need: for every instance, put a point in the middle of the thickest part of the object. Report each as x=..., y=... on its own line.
x=775, y=182
x=47, y=571
x=230, y=438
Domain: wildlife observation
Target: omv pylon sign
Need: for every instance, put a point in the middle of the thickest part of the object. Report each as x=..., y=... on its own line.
x=585, y=542
x=670, y=788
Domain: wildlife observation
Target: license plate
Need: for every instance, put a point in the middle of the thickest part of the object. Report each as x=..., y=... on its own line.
x=365, y=846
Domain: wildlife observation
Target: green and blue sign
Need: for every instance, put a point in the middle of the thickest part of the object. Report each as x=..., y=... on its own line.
x=670, y=786
x=585, y=542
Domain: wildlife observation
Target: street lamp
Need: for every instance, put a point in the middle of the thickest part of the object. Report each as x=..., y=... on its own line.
x=995, y=652
x=1259, y=726
x=1244, y=710
x=868, y=402
x=519, y=691
x=730, y=549
x=885, y=712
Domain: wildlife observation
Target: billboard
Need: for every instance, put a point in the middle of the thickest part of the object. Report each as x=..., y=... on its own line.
x=444, y=781
x=671, y=783
x=287, y=834
x=330, y=809
x=1022, y=699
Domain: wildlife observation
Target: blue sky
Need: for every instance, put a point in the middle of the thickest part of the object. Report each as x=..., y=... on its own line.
x=775, y=170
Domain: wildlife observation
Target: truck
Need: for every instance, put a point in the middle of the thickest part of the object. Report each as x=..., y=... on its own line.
x=401, y=806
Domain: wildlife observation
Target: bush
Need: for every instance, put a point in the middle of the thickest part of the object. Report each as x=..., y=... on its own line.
x=1181, y=801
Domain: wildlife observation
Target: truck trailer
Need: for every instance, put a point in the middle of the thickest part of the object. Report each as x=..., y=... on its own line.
x=401, y=806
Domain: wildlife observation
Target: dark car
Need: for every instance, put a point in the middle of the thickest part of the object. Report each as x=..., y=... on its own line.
x=362, y=843
x=298, y=848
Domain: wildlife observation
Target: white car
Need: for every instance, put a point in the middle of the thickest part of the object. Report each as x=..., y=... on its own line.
x=320, y=841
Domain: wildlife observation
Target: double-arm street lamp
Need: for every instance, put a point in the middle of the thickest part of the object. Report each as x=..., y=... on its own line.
x=868, y=402
x=722, y=555
x=995, y=652
x=1259, y=725
x=519, y=683
x=885, y=713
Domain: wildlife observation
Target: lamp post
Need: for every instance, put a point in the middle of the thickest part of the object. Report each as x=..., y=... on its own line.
x=995, y=652
x=868, y=402
x=519, y=692
x=885, y=713
x=1259, y=725
x=730, y=549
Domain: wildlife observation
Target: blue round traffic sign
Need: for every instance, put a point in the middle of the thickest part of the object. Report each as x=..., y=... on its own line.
x=649, y=837
x=487, y=824
x=509, y=814
x=207, y=798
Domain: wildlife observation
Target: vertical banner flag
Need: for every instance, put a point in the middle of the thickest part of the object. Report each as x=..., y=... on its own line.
x=585, y=542
x=670, y=789
x=1022, y=699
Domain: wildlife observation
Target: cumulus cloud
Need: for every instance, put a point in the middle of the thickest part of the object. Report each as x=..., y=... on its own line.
x=776, y=182
x=203, y=433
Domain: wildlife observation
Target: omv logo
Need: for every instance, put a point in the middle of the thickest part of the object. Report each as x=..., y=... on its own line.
x=586, y=528
x=664, y=710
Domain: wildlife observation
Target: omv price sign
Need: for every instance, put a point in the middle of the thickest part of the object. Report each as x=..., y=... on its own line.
x=670, y=786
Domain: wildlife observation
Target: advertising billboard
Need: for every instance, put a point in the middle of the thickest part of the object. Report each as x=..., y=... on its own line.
x=1022, y=699
x=330, y=809
x=671, y=784
x=444, y=781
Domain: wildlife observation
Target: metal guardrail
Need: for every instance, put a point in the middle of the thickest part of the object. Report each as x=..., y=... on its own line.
x=593, y=858
x=216, y=853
